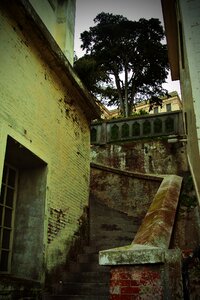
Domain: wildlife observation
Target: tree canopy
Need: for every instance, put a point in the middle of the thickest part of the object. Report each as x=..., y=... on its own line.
x=125, y=61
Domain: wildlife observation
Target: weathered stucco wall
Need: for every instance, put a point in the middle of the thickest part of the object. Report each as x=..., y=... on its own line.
x=47, y=13
x=39, y=113
x=59, y=18
x=155, y=156
x=126, y=192
x=189, y=36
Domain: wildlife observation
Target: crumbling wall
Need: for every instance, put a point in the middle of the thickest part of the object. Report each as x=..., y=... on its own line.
x=155, y=156
x=126, y=192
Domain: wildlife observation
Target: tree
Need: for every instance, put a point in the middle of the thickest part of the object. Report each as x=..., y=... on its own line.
x=125, y=60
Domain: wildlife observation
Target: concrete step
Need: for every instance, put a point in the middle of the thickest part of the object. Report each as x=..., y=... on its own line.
x=101, y=209
x=88, y=258
x=98, y=237
x=86, y=267
x=90, y=249
x=72, y=288
x=107, y=219
x=114, y=228
x=100, y=277
x=112, y=243
x=86, y=279
x=76, y=297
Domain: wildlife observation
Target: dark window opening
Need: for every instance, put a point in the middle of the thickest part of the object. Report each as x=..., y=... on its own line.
x=125, y=130
x=146, y=128
x=136, y=129
x=168, y=107
x=169, y=125
x=115, y=132
x=7, y=214
x=157, y=125
x=155, y=110
x=93, y=135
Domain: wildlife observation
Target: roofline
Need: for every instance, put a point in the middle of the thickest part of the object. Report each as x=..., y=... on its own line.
x=171, y=31
x=34, y=28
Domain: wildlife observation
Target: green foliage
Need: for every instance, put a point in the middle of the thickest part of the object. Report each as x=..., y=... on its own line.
x=188, y=201
x=188, y=195
x=90, y=73
x=125, y=60
x=141, y=112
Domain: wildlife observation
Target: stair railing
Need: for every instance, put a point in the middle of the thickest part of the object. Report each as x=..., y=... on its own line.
x=148, y=264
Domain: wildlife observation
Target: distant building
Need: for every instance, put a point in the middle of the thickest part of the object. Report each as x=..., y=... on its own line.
x=168, y=104
x=172, y=103
x=182, y=26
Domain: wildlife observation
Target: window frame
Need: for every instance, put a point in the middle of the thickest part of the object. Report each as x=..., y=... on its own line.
x=13, y=207
x=155, y=110
x=168, y=107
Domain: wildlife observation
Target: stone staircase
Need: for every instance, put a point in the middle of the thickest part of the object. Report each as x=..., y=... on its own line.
x=85, y=279
x=110, y=228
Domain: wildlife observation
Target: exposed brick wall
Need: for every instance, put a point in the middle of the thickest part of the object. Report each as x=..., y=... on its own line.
x=42, y=114
x=128, y=283
x=161, y=280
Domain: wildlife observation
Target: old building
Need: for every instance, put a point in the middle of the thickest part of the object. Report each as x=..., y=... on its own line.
x=182, y=24
x=172, y=103
x=45, y=115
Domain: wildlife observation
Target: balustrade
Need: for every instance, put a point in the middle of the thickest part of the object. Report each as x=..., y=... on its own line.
x=137, y=127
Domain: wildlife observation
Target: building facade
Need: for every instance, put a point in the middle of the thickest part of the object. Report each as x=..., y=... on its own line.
x=173, y=103
x=59, y=17
x=182, y=24
x=45, y=115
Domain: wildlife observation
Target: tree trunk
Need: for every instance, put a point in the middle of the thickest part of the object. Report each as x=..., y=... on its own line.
x=126, y=91
x=117, y=81
x=133, y=92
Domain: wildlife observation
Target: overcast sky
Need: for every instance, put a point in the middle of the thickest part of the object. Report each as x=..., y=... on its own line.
x=86, y=11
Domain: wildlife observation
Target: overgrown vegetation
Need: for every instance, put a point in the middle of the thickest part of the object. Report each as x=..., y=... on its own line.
x=188, y=195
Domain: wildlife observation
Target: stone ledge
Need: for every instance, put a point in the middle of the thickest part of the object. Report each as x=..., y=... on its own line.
x=136, y=254
x=131, y=255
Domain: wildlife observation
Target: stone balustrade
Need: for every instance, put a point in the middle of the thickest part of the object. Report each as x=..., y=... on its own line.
x=163, y=124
